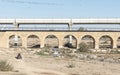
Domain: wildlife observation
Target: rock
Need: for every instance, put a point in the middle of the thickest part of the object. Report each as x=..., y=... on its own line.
x=72, y=54
x=119, y=51
x=85, y=56
x=74, y=50
x=82, y=56
x=104, y=51
x=93, y=50
x=38, y=50
x=110, y=60
x=46, y=53
x=91, y=56
x=101, y=59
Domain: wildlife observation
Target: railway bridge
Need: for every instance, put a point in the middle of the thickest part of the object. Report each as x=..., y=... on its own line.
x=15, y=35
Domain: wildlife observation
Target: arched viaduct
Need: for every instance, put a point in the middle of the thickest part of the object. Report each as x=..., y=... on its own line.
x=114, y=36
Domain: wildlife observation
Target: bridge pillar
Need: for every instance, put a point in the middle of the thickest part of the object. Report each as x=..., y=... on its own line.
x=77, y=47
x=60, y=42
x=24, y=42
x=114, y=43
x=16, y=25
x=42, y=42
x=70, y=28
x=96, y=43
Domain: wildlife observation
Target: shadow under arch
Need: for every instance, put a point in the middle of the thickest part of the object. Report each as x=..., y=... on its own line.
x=89, y=41
x=33, y=41
x=70, y=41
x=51, y=41
x=105, y=41
x=15, y=41
x=118, y=42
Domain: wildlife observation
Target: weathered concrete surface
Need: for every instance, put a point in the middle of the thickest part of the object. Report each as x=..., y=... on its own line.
x=4, y=39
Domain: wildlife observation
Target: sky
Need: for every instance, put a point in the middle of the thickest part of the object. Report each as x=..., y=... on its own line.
x=60, y=9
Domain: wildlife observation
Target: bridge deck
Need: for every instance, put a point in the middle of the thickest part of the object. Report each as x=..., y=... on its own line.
x=62, y=21
x=59, y=31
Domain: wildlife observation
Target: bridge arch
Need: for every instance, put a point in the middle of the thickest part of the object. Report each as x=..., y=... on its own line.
x=51, y=41
x=118, y=42
x=33, y=41
x=105, y=41
x=70, y=41
x=15, y=41
x=89, y=40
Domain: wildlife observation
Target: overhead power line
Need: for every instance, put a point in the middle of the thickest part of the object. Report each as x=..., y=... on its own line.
x=30, y=2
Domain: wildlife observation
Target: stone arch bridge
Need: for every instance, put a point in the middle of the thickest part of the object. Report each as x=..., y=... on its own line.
x=112, y=37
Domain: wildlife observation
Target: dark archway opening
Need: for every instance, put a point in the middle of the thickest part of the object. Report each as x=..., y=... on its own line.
x=118, y=42
x=70, y=41
x=33, y=41
x=105, y=42
x=51, y=41
x=89, y=41
x=15, y=41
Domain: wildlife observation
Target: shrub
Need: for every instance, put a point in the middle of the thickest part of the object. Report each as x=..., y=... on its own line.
x=69, y=45
x=40, y=53
x=65, y=52
x=115, y=51
x=45, y=51
x=83, y=47
x=5, y=66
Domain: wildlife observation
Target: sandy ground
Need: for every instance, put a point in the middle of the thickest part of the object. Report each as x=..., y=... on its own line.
x=33, y=64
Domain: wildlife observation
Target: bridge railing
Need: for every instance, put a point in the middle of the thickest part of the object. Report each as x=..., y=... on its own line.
x=32, y=28
x=97, y=29
x=60, y=29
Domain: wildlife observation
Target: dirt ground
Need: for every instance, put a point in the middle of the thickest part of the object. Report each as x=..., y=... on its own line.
x=33, y=64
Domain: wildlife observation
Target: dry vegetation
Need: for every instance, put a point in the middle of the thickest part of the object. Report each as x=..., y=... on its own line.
x=66, y=64
x=67, y=61
x=5, y=66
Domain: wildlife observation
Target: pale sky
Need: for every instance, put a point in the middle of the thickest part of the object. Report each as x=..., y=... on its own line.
x=59, y=8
